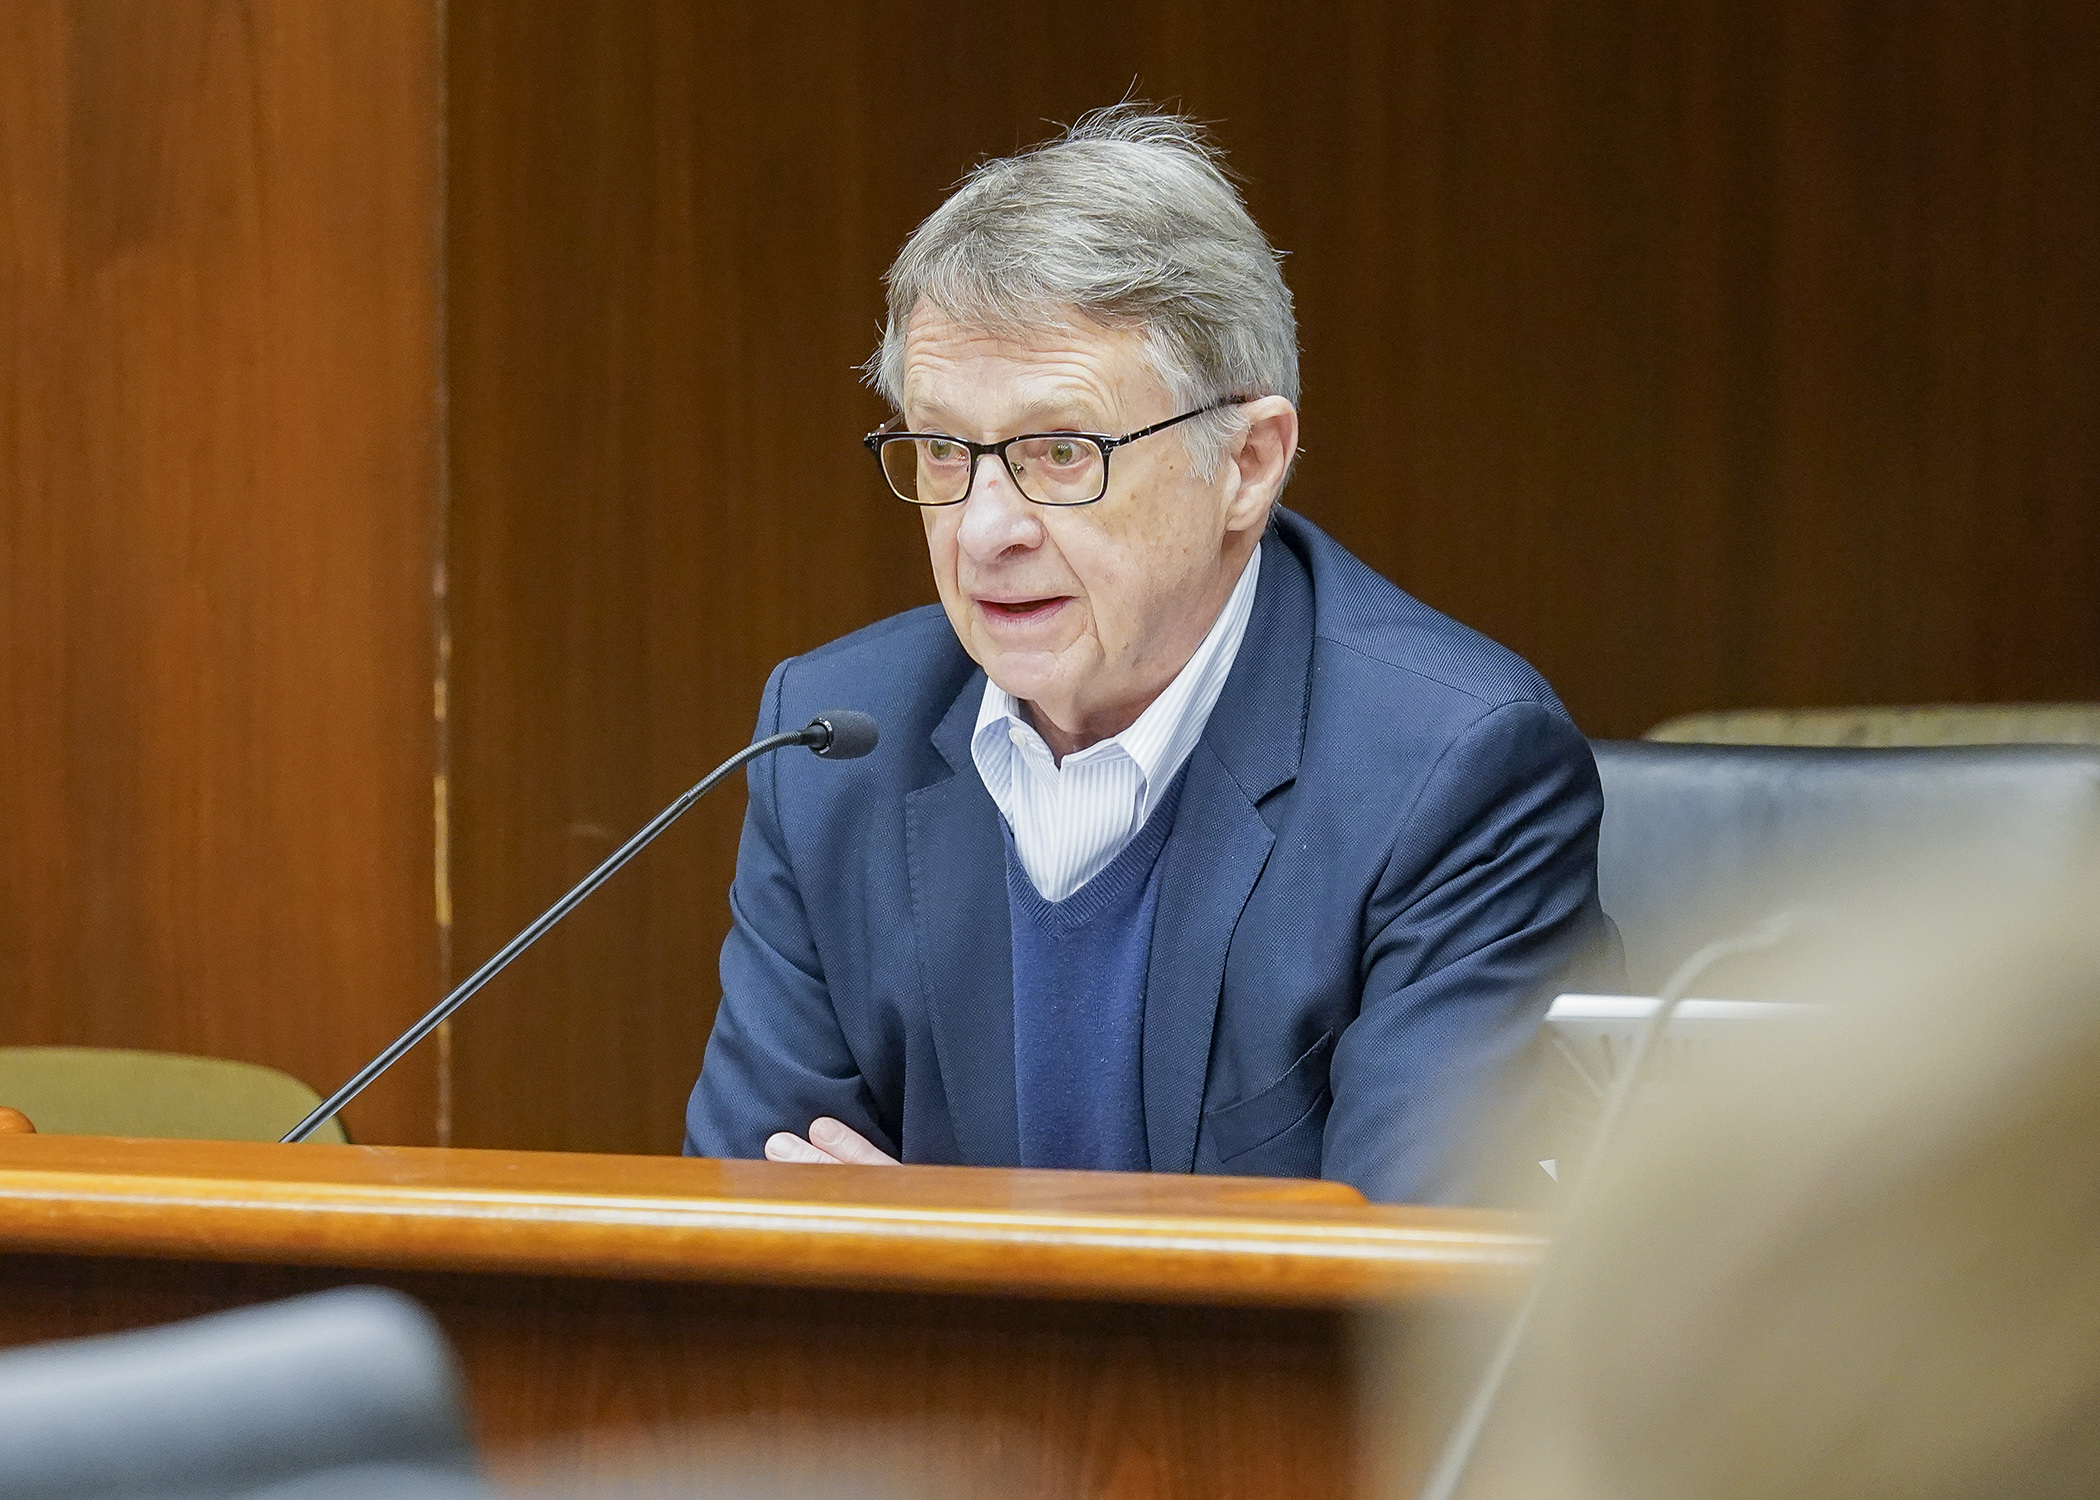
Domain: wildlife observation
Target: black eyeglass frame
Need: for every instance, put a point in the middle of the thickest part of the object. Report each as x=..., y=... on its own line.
x=1107, y=443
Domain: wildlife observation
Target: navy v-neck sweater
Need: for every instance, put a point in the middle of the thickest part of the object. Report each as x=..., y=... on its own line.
x=1079, y=1005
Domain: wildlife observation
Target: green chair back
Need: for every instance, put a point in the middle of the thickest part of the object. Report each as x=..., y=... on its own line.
x=1924, y=724
x=164, y=1095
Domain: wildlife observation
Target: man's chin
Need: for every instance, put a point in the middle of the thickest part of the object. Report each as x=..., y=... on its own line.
x=1032, y=676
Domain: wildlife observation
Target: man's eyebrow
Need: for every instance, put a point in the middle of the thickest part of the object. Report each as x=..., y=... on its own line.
x=1054, y=417
x=1045, y=416
x=926, y=412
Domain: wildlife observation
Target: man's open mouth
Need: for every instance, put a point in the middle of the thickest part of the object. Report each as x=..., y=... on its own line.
x=1021, y=609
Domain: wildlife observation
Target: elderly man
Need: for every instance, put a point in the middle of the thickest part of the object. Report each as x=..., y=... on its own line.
x=1191, y=843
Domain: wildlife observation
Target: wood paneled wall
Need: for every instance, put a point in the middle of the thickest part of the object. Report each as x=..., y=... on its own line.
x=218, y=485
x=1710, y=354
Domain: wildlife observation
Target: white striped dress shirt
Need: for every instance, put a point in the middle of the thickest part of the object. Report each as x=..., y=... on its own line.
x=1070, y=820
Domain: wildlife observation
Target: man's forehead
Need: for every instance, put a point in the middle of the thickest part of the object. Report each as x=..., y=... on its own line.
x=977, y=371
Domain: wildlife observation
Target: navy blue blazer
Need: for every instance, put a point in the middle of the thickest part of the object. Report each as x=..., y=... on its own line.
x=1384, y=858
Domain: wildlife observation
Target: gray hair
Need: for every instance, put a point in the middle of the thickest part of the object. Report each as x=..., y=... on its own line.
x=1128, y=219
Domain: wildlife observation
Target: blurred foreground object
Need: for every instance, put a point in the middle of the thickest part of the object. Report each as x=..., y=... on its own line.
x=1703, y=841
x=1862, y=1260
x=1924, y=724
x=154, y=1095
x=355, y=1386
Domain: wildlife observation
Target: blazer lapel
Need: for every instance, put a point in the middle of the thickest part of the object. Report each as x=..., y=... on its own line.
x=956, y=858
x=1208, y=870
x=1250, y=748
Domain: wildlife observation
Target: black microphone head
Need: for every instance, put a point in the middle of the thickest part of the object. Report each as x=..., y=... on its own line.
x=842, y=734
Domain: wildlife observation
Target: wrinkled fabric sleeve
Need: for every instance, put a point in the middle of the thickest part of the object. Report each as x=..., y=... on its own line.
x=777, y=1057
x=1486, y=910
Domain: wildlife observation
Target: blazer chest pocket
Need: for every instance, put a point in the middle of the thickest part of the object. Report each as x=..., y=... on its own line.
x=1254, y=1121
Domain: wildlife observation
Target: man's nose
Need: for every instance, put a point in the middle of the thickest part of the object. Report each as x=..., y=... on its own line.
x=996, y=517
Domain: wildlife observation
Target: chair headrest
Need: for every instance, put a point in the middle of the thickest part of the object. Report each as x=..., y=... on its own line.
x=1700, y=840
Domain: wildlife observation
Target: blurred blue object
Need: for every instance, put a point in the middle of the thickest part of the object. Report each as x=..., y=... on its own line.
x=349, y=1392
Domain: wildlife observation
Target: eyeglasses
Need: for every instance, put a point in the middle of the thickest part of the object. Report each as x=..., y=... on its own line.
x=1049, y=468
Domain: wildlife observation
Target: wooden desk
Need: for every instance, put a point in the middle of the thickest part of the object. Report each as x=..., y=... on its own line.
x=1072, y=1333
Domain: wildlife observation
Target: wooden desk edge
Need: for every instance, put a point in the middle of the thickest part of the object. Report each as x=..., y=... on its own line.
x=1286, y=1254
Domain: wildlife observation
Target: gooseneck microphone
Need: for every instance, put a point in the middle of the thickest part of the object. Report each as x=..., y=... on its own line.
x=836, y=734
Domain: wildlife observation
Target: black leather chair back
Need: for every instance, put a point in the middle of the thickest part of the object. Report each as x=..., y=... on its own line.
x=1702, y=841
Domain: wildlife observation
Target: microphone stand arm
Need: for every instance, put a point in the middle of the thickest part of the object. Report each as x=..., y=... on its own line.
x=328, y=1107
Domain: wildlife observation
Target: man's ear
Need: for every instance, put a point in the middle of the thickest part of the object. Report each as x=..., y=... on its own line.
x=1258, y=460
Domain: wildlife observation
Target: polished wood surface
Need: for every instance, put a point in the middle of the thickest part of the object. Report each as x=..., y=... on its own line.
x=1712, y=355
x=218, y=511
x=662, y=273
x=967, y=1396
x=1142, y=1238
x=942, y=1330
x=1708, y=354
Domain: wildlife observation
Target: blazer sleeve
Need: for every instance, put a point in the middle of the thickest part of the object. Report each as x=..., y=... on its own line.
x=777, y=1058
x=1485, y=910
